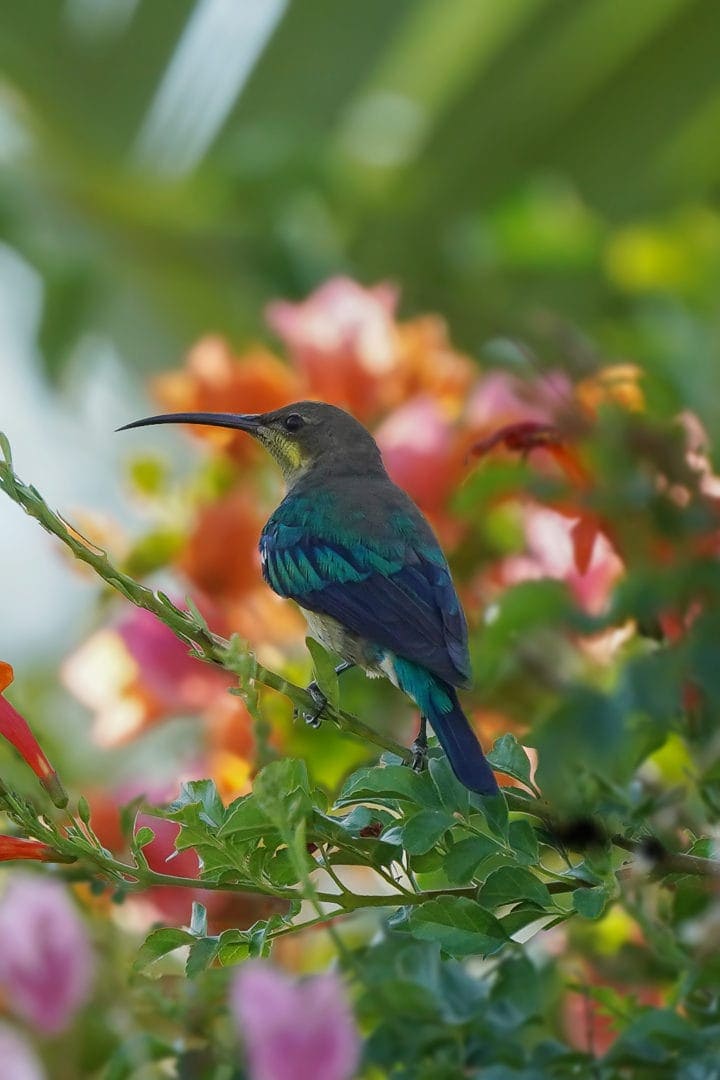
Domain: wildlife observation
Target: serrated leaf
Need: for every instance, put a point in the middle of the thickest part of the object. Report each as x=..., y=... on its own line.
x=233, y=947
x=509, y=757
x=159, y=943
x=459, y=925
x=512, y=884
x=423, y=830
x=198, y=801
x=282, y=791
x=590, y=903
x=201, y=956
x=245, y=819
x=324, y=671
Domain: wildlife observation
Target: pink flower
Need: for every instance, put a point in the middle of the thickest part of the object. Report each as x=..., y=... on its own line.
x=550, y=553
x=421, y=452
x=17, y=1059
x=343, y=339
x=138, y=673
x=292, y=1029
x=46, y=962
x=501, y=399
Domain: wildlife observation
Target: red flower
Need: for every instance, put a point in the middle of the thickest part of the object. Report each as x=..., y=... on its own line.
x=215, y=380
x=15, y=847
x=527, y=435
x=17, y=732
x=221, y=555
x=530, y=435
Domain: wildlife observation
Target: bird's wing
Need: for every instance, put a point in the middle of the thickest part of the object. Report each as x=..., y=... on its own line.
x=400, y=597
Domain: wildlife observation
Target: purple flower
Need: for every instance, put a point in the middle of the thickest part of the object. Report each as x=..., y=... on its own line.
x=292, y=1029
x=46, y=962
x=17, y=1059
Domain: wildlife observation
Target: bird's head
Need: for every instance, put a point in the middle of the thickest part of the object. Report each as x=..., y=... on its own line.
x=301, y=436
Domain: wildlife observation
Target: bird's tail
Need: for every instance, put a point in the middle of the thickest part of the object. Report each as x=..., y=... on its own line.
x=438, y=701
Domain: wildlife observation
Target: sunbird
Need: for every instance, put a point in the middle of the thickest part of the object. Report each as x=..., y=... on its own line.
x=355, y=553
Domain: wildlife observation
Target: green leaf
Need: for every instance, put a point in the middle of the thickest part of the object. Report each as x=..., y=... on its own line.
x=198, y=801
x=5, y=449
x=590, y=903
x=198, y=919
x=463, y=860
x=143, y=836
x=244, y=819
x=233, y=947
x=148, y=475
x=512, y=884
x=460, y=926
x=390, y=784
x=152, y=552
x=159, y=943
x=282, y=791
x=453, y=795
x=201, y=956
x=324, y=671
x=523, y=841
x=509, y=757
x=585, y=738
x=495, y=811
x=423, y=830
x=145, y=1048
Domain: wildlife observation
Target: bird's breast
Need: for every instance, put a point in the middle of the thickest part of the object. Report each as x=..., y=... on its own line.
x=338, y=639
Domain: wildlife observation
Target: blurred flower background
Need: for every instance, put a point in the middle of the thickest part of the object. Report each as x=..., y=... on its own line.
x=484, y=229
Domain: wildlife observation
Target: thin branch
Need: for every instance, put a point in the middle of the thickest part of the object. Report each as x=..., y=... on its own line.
x=186, y=625
x=663, y=862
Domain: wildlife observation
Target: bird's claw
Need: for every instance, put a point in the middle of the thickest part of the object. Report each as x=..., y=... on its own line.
x=419, y=755
x=314, y=719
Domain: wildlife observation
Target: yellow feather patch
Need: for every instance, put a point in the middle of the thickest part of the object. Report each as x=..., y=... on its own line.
x=286, y=452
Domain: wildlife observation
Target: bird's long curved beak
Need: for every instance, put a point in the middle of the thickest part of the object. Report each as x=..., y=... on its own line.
x=250, y=422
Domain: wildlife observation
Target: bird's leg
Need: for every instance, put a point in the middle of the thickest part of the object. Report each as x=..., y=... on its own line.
x=419, y=747
x=314, y=718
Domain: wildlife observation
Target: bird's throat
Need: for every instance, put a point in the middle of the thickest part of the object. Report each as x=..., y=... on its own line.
x=286, y=453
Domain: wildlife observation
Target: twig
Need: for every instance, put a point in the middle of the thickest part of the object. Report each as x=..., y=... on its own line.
x=186, y=625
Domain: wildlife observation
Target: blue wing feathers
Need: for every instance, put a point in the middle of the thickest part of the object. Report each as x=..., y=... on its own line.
x=394, y=593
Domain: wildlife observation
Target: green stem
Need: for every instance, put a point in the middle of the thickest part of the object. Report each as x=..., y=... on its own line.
x=187, y=626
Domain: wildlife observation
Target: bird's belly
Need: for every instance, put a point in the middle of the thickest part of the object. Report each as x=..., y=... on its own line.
x=338, y=639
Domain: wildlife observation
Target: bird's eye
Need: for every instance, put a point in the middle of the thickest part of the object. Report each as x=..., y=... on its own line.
x=293, y=422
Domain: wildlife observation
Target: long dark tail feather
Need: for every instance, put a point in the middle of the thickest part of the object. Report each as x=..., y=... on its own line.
x=460, y=743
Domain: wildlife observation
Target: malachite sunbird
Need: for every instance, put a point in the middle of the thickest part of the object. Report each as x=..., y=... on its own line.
x=364, y=566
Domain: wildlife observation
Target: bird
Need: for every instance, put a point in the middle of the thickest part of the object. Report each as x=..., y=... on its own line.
x=361, y=561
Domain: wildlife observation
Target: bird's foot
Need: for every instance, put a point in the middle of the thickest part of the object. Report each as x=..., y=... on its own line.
x=420, y=747
x=314, y=719
x=419, y=755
